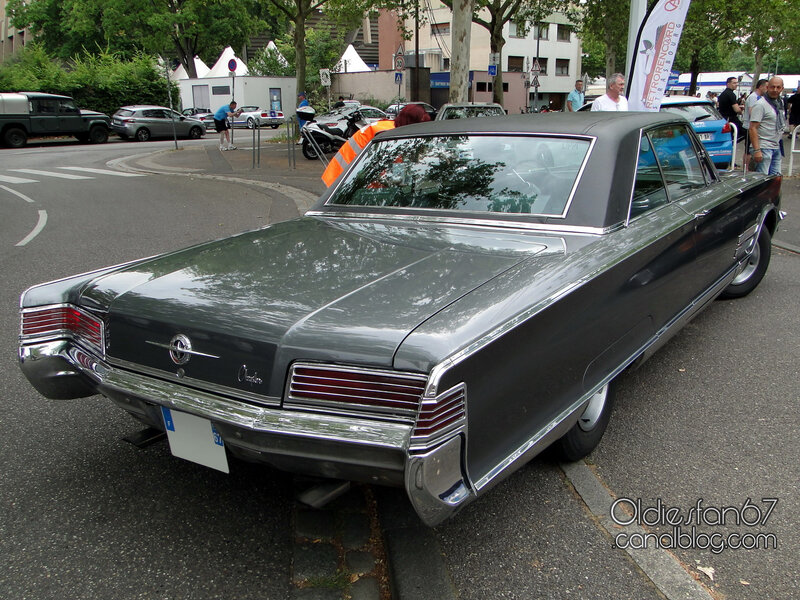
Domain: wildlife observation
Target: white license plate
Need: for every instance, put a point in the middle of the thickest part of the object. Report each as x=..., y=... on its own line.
x=705, y=137
x=195, y=439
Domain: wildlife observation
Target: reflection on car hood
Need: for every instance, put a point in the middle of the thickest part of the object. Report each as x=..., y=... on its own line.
x=311, y=288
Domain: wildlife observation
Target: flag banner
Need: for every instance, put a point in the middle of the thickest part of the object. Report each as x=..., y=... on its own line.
x=656, y=46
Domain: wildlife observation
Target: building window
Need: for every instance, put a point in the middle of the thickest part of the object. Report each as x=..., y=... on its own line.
x=480, y=86
x=505, y=86
x=445, y=64
x=562, y=66
x=542, y=66
x=515, y=64
x=540, y=31
x=517, y=30
x=440, y=28
x=563, y=33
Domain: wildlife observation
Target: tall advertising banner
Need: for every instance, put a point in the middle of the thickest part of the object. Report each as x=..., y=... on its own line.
x=656, y=46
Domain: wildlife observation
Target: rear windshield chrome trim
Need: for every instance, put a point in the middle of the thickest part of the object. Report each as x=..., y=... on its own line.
x=585, y=138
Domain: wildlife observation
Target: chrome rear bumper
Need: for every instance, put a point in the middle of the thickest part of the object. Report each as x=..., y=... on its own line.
x=322, y=444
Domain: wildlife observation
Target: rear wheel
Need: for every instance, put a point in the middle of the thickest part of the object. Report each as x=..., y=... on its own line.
x=754, y=270
x=98, y=135
x=143, y=134
x=195, y=133
x=251, y=123
x=15, y=137
x=587, y=432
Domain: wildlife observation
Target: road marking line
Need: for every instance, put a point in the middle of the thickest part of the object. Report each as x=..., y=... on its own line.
x=10, y=179
x=50, y=174
x=16, y=193
x=661, y=566
x=36, y=230
x=103, y=172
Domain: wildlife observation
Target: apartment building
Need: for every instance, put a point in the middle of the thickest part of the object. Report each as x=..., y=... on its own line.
x=555, y=45
x=11, y=38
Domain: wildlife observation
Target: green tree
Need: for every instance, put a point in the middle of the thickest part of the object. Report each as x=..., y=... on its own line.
x=709, y=24
x=493, y=15
x=181, y=28
x=607, y=22
x=770, y=29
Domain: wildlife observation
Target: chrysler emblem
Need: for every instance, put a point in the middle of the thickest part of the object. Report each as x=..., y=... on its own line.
x=180, y=349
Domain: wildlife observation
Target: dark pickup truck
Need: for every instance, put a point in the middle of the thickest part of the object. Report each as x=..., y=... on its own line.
x=35, y=114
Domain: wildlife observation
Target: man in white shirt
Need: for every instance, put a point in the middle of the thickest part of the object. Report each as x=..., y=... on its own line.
x=613, y=99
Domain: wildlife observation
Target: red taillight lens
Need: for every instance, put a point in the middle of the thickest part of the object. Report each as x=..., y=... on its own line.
x=440, y=416
x=727, y=128
x=265, y=115
x=361, y=390
x=63, y=321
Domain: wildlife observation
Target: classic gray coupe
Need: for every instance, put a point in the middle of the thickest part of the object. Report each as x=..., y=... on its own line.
x=460, y=299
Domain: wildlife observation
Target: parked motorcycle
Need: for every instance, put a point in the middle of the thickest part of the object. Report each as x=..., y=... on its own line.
x=329, y=137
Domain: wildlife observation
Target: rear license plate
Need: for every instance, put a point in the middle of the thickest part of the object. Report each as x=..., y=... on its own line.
x=705, y=137
x=195, y=439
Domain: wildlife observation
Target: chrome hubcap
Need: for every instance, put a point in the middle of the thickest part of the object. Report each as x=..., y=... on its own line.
x=750, y=267
x=594, y=409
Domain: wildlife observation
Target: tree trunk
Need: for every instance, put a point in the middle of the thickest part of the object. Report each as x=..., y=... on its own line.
x=300, y=51
x=460, y=40
x=759, y=65
x=694, y=69
x=496, y=44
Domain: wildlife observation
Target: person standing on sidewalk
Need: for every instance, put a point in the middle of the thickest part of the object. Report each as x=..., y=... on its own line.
x=575, y=98
x=613, y=99
x=302, y=101
x=729, y=106
x=223, y=127
x=794, y=108
x=766, y=128
x=755, y=96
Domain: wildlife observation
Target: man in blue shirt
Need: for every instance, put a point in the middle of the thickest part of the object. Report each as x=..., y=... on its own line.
x=222, y=126
x=575, y=98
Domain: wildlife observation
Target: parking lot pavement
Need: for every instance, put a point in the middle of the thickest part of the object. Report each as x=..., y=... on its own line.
x=705, y=428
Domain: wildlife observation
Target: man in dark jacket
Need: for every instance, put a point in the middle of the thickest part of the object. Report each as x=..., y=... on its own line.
x=729, y=106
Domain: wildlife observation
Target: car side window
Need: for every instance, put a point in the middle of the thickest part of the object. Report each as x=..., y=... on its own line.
x=67, y=107
x=150, y=113
x=648, y=191
x=678, y=160
x=46, y=106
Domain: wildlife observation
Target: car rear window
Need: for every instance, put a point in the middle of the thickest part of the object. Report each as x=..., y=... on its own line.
x=693, y=112
x=532, y=175
x=462, y=112
x=124, y=112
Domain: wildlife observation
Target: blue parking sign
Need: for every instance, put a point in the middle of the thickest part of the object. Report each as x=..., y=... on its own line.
x=398, y=78
x=493, y=70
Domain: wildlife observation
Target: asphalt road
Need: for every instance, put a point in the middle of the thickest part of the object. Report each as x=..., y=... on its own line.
x=82, y=514
x=711, y=418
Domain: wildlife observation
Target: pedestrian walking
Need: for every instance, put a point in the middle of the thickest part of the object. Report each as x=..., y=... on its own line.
x=613, y=99
x=302, y=101
x=766, y=128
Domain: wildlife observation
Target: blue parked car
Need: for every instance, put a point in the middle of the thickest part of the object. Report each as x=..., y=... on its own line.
x=711, y=127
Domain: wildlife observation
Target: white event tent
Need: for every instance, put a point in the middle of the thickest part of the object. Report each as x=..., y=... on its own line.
x=220, y=68
x=351, y=62
x=180, y=73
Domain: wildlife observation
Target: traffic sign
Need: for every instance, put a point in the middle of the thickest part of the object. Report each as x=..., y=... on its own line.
x=232, y=65
x=325, y=77
x=398, y=78
x=494, y=58
x=536, y=68
x=535, y=82
x=399, y=62
x=492, y=70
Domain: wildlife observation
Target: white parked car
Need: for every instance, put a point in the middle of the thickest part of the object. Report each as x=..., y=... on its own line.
x=253, y=116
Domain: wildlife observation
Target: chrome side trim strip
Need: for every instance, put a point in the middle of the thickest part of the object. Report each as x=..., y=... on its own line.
x=466, y=222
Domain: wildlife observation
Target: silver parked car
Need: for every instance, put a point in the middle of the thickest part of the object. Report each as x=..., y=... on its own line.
x=145, y=122
x=465, y=110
